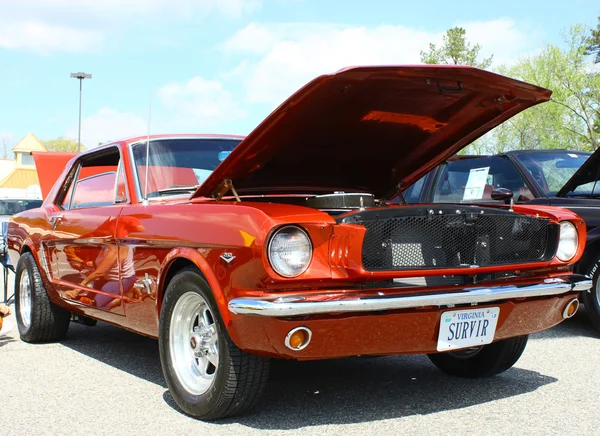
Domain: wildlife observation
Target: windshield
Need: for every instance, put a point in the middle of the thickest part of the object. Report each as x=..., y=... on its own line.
x=11, y=207
x=469, y=180
x=179, y=165
x=553, y=169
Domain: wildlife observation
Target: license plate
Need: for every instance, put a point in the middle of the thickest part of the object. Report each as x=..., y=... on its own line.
x=467, y=328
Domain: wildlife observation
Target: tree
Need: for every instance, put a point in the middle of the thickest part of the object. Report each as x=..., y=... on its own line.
x=62, y=144
x=570, y=119
x=455, y=50
x=593, y=43
x=5, y=150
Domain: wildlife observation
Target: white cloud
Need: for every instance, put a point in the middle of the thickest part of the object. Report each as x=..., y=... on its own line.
x=45, y=26
x=504, y=38
x=232, y=8
x=107, y=125
x=280, y=58
x=203, y=102
x=43, y=38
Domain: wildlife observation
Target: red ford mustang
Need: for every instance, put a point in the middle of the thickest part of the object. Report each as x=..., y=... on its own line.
x=285, y=244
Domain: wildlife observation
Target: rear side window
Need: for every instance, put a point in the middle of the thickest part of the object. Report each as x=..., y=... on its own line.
x=95, y=191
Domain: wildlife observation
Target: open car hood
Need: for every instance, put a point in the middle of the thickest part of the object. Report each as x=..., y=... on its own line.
x=370, y=129
x=49, y=166
x=588, y=172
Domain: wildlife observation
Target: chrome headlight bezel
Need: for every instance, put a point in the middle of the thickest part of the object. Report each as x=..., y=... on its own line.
x=568, y=242
x=276, y=264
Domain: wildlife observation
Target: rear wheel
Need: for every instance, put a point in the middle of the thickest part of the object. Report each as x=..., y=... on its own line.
x=208, y=375
x=591, y=298
x=38, y=319
x=484, y=361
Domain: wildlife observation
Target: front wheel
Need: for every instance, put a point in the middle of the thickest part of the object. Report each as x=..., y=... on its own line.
x=484, y=361
x=208, y=376
x=591, y=298
x=38, y=319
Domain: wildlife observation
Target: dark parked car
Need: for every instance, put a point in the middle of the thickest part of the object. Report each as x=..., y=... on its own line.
x=561, y=178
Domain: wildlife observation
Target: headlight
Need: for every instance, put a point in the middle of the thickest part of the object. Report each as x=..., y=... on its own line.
x=569, y=241
x=290, y=251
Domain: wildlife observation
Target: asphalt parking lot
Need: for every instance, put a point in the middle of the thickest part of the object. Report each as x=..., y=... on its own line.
x=104, y=380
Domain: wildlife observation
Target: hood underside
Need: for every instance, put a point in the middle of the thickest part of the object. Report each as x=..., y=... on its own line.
x=371, y=129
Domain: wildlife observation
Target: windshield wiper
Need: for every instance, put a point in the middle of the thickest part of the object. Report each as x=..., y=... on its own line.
x=178, y=190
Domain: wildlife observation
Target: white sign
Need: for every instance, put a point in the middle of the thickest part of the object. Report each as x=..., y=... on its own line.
x=476, y=183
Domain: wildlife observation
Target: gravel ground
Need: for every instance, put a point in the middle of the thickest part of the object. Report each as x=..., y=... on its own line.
x=104, y=380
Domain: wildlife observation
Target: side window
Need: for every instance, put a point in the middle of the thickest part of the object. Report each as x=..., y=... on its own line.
x=95, y=182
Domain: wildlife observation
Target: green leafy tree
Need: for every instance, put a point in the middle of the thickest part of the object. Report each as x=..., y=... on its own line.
x=62, y=144
x=455, y=50
x=593, y=43
x=570, y=119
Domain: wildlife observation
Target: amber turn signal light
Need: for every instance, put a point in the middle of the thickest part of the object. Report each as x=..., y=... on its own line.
x=298, y=338
x=571, y=308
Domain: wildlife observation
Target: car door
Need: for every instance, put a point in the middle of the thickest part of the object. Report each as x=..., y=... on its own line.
x=83, y=250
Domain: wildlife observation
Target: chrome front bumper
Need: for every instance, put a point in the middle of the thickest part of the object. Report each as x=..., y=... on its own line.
x=308, y=304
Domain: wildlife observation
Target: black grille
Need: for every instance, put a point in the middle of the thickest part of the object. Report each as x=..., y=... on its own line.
x=447, y=240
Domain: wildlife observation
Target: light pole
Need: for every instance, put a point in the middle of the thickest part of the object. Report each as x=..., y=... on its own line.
x=80, y=76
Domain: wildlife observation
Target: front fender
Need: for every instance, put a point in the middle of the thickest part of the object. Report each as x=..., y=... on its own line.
x=194, y=257
x=247, y=333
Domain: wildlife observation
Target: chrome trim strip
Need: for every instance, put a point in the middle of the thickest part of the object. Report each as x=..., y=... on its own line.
x=295, y=306
x=583, y=285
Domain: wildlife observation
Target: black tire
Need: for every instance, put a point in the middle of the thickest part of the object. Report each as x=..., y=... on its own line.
x=239, y=378
x=45, y=321
x=591, y=298
x=485, y=361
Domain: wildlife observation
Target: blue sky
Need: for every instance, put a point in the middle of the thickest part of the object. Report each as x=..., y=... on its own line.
x=221, y=66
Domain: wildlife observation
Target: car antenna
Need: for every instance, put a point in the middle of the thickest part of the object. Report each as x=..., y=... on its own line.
x=145, y=202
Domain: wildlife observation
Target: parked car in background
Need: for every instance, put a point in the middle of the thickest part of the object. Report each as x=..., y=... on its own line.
x=283, y=244
x=11, y=206
x=563, y=178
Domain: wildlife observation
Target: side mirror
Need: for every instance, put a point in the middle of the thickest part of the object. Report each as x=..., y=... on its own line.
x=502, y=194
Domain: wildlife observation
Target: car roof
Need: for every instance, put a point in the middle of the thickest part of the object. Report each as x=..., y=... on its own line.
x=511, y=152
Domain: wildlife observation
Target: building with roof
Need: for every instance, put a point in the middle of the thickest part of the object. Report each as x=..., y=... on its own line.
x=18, y=177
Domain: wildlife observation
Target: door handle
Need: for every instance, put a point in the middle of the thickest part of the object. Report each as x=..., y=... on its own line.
x=55, y=218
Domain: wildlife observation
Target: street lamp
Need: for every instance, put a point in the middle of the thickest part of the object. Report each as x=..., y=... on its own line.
x=80, y=76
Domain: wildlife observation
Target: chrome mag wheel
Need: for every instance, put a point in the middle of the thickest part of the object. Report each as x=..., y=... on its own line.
x=25, y=298
x=194, y=344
